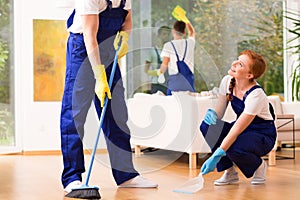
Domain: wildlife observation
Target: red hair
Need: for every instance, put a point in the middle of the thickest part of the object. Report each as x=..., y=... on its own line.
x=258, y=64
x=258, y=67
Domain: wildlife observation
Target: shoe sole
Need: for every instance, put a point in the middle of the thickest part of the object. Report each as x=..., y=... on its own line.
x=258, y=182
x=226, y=183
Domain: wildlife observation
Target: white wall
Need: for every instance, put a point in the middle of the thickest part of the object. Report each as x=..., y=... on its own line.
x=37, y=123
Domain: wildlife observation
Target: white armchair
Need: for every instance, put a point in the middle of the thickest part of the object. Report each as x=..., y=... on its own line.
x=284, y=134
x=169, y=122
x=287, y=123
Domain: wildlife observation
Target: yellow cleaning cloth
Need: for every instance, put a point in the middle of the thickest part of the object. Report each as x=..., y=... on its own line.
x=179, y=14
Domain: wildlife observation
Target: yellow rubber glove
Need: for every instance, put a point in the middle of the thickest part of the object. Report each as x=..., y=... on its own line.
x=101, y=88
x=179, y=14
x=124, y=43
x=154, y=72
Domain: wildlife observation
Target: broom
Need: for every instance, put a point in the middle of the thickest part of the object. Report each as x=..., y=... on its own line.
x=86, y=191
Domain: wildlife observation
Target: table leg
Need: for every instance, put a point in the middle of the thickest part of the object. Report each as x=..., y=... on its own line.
x=193, y=160
x=137, y=150
x=272, y=157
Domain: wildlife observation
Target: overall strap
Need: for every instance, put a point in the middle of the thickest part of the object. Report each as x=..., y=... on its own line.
x=249, y=91
x=159, y=61
x=70, y=19
x=185, y=50
x=122, y=4
x=109, y=4
x=270, y=105
x=176, y=51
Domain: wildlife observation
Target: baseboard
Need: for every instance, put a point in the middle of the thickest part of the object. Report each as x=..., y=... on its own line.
x=55, y=152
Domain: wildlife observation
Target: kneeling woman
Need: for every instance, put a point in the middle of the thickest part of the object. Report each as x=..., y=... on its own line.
x=253, y=134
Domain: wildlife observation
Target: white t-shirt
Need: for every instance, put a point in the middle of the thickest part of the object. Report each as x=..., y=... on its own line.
x=256, y=102
x=168, y=51
x=84, y=7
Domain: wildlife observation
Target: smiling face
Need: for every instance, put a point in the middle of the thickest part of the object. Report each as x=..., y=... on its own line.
x=249, y=65
x=241, y=68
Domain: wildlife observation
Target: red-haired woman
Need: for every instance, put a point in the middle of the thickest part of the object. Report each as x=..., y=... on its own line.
x=253, y=133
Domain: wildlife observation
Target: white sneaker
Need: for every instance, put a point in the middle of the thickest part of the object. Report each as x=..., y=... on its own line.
x=138, y=182
x=72, y=185
x=228, y=178
x=259, y=176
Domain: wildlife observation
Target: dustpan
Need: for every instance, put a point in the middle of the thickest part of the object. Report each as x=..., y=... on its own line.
x=177, y=12
x=191, y=186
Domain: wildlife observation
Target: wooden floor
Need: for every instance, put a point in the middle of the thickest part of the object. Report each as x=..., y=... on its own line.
x=24, y=177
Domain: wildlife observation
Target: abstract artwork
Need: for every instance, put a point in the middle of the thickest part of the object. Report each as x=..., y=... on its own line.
x=49, y=47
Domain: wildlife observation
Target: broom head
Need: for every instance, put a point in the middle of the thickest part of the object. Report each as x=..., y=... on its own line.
x=85, y=192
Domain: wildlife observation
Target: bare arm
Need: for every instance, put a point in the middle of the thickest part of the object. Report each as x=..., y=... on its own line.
x=240, y=125
x=221, y=106
x=90, y=28
x=147, y=66
x=164, y=64
x=191, y=30
x=127, y=25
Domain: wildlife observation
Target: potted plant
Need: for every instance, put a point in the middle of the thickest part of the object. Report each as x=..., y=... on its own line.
x=296, y=50
x=296, y=83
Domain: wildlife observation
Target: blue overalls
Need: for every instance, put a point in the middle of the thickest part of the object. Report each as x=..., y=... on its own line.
x=79, y=93
x=255, y=141
x=184, y=79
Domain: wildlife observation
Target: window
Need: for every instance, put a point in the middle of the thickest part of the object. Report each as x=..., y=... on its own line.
x=224, y=28
x=6, y=74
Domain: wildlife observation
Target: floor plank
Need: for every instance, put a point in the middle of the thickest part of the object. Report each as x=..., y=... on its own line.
x=35, y=177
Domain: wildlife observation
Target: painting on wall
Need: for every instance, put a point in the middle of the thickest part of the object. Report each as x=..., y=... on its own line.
x=50, y=38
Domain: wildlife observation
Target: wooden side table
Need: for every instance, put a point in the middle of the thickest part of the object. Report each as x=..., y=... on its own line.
x=287, y=118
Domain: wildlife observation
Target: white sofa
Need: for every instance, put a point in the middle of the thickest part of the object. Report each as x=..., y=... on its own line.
x=172, y=122
x=169, y=122
x=284, y=133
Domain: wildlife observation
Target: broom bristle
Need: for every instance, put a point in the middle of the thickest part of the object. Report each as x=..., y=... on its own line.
x=85, y=193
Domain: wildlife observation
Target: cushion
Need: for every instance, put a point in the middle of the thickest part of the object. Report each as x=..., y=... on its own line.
x=276, y=103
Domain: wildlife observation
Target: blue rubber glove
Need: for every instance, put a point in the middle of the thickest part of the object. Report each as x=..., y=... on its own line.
x=210, y=117
x=210, y=164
